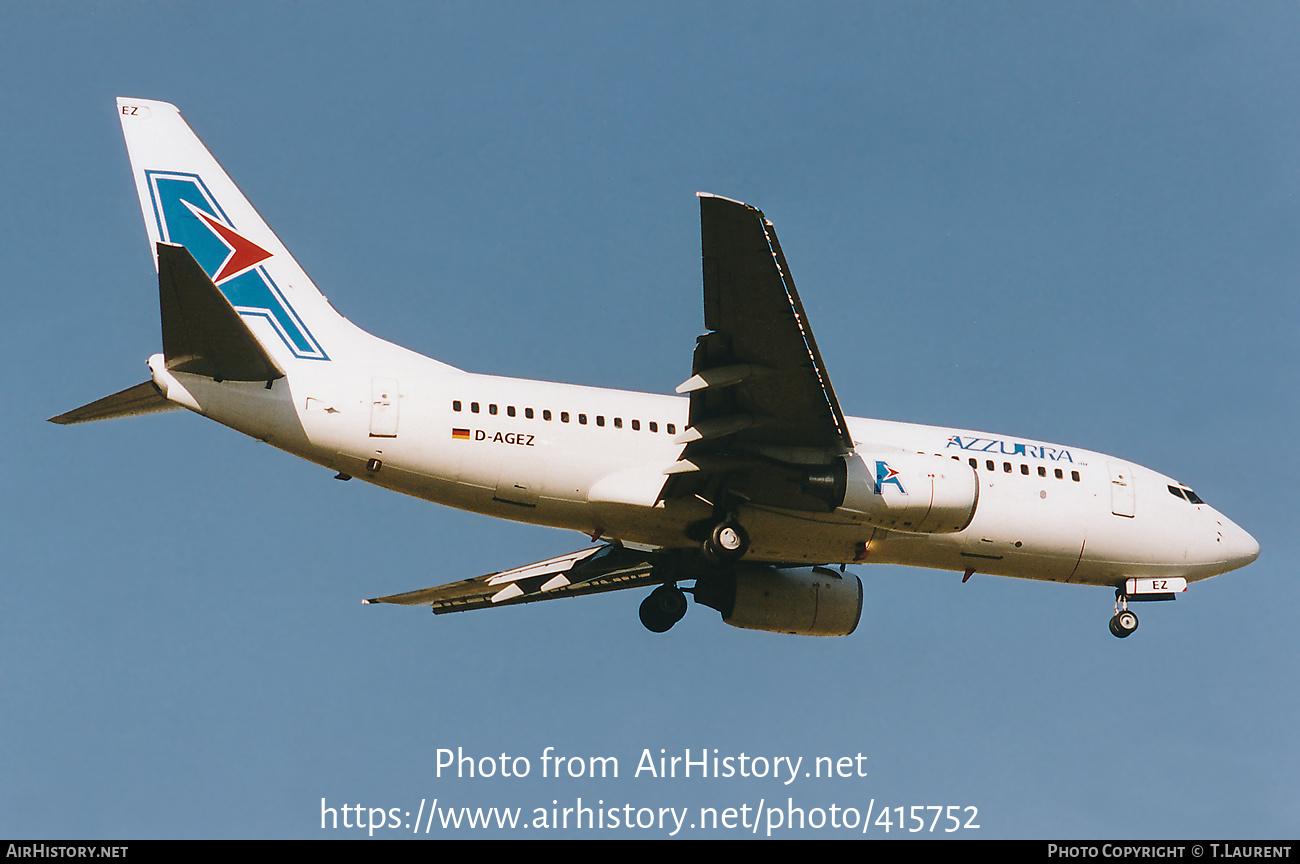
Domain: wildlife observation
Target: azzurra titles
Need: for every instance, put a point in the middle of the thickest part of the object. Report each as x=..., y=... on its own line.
x=1009, y=448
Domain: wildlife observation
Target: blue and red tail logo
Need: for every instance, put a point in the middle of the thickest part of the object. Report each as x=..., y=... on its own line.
x=189, y=216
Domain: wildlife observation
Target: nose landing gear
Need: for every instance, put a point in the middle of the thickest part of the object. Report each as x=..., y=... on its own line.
x=1124, y=622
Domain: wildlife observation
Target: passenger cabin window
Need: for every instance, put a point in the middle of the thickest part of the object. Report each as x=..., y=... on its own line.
x=546, y=413
x=600, y=419
x=1059, y=475
x=654, y=427
x=492, y=408
x=618, y=422
x=1042, y=471
x=473, y=407
x=636, y=425
x=528, y=413
x=455, y=405
x=510, y=410
x=1024, y=469
x=1074, y=475
x=582, y=419
x=672, y=429
x=564, y=416
x=974, y=463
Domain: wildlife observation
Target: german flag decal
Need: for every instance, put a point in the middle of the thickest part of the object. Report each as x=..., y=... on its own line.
x=462, y=434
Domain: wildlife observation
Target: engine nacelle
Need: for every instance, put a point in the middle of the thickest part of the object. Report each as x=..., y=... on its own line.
x=806, y=601
x=908, y=492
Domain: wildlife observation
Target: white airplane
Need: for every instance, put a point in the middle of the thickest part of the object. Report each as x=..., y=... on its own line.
x=750, y=485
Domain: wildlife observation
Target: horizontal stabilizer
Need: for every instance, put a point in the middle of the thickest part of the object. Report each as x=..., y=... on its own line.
x=202, y=333
x=141, y=399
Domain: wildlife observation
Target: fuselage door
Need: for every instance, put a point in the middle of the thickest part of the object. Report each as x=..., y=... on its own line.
x=1121, y=489
x=383, y=407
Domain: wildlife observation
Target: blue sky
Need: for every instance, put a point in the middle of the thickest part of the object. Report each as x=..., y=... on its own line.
x=1067, y=222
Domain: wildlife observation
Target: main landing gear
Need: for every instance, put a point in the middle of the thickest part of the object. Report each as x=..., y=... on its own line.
x=663, y=608
x=1124, y=622
x=726, y=542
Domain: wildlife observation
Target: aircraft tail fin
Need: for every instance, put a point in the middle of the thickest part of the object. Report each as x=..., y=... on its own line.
x=188, y=200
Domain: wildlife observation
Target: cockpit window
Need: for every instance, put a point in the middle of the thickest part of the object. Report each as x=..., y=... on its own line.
x=1176, y=492
x=1186, y=494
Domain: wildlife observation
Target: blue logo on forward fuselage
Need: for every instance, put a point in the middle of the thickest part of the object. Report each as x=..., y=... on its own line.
x=885, y=474
x=189, y=216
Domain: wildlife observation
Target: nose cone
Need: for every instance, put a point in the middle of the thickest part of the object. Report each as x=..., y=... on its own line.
x=1239, y=547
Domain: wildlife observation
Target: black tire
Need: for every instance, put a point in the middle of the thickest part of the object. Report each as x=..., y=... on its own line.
x=1123, y=624
x=664, y=607
x=727, y=541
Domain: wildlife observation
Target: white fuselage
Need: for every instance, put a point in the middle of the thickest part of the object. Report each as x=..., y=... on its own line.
x=594, y=460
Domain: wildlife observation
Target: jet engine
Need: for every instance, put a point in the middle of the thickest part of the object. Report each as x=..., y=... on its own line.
x=908, y=492
x=804, y=601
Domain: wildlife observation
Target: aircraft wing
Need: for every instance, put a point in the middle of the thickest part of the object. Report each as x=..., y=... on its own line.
x=591, y=571
x=757, y=375
x=759, y=390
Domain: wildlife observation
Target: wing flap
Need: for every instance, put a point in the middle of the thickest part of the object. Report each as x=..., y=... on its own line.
x=590, y=571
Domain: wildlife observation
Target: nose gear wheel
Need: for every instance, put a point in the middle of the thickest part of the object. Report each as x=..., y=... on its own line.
x=1124, y=622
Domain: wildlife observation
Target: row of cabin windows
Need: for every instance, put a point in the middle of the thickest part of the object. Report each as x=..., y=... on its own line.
x=990, y=465
x=529, y=414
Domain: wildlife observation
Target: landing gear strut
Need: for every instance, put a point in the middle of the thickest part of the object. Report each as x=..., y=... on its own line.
x=727, y=541
x=1124, y=622
x=663, y=608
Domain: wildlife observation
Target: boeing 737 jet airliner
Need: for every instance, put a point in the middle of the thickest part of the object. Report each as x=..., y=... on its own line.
x=750, y=485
